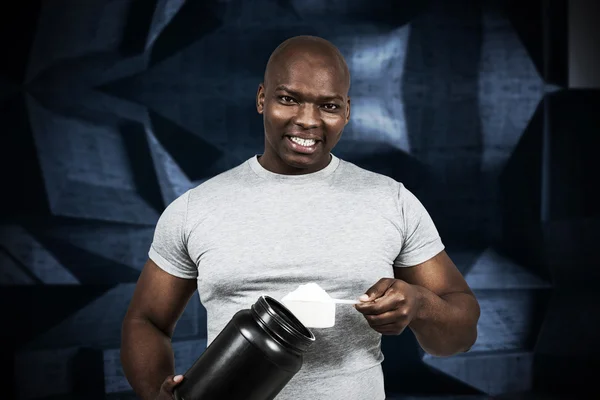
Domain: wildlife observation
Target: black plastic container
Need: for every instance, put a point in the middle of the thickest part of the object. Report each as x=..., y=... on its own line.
x=253, y=358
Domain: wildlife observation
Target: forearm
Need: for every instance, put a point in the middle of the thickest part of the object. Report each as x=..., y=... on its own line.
x=446, y=325
x=146, y=356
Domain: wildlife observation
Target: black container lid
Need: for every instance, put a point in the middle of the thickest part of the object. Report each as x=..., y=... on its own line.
x=283, y=323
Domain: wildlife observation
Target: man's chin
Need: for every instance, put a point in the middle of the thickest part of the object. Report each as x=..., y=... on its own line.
x=306, y=162
x=300, y=160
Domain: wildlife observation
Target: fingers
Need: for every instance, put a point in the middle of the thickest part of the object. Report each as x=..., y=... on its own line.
x=386, y=318
x=170, y=382
x=389, y=323
x=390, y=301
x=389, y=309
x=377, y=290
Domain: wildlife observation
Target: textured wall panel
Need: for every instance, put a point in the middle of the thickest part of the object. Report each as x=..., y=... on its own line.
x=12, y=272
x=173, y=181
x=123, y=244
x=32, y=258
x=570, y=157
x=376, y=60
x=507, y=320
x=163, y=14
x=49, y=369
x=509, y=91
x=567, y=361
x=86, y=170
x=127, y=104
x=494, y=373
x=98, y=324
x=493, y=271
x=85, y=28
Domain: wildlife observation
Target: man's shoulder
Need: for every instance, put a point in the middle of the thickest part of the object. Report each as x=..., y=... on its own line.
x=365, y=178
x=218, y=187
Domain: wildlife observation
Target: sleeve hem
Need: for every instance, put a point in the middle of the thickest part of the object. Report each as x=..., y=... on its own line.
x=433, y=249
x=169, y=267
x=185, y=216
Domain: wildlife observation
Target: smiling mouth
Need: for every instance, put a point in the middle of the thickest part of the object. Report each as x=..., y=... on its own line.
x=302, y=146
x=303, y=142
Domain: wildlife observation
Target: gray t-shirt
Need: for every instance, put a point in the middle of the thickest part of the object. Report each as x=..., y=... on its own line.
x=249, y=232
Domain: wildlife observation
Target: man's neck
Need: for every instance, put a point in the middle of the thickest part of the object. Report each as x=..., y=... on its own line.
x=285, y=169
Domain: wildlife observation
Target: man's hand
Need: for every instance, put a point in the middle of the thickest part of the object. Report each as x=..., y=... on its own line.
x=390, y=305
x=168, y=386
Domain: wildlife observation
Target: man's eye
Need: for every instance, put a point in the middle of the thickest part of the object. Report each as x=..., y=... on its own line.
x=331, y=107
x=286, y=99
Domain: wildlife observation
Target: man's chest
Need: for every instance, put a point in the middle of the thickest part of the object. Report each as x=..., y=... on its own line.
x=348, y=247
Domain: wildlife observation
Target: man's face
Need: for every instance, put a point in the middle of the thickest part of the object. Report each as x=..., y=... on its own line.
x=305, y=107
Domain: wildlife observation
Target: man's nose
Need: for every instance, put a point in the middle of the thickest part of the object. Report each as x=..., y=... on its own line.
x=307, y=116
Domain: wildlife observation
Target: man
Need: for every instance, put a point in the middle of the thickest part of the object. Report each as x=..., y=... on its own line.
x=299, y=214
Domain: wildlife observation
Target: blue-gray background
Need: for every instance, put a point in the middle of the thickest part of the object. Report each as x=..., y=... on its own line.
x=111, y=109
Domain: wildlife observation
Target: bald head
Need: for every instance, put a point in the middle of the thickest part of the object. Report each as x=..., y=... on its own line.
x=306, y=47
x=304, y=95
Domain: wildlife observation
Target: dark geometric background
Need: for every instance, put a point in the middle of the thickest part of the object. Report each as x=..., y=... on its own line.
x=109, y=110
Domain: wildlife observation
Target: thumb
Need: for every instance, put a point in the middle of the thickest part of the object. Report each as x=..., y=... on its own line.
x=377, y=290
x=170, y=383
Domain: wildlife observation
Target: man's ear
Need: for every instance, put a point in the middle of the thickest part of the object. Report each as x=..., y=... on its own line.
x=260, y=98
x=347, y=112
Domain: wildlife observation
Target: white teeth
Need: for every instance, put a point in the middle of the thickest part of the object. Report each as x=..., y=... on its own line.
x=303, y=142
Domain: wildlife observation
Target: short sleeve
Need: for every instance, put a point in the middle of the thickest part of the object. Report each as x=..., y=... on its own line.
x=169, y=249
x=421, y=240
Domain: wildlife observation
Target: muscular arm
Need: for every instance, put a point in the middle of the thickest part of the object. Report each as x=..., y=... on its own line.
x=158, y=301
x=446, y=321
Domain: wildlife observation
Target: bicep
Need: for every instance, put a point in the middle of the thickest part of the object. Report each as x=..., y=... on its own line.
x=438, y=274
x=160, y=297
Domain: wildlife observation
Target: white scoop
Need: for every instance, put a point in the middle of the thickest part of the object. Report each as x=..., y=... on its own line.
x=337, y=301
x=313, y=306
